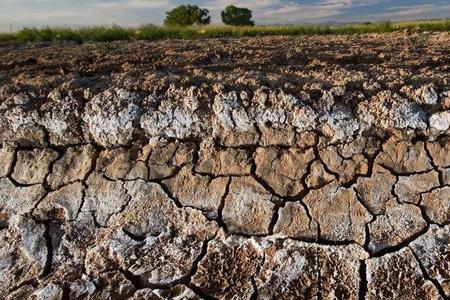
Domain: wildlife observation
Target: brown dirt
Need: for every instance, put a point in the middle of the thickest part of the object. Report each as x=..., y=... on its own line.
x=266, y=168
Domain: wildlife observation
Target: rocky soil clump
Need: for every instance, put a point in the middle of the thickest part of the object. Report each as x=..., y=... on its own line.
x=269, y=168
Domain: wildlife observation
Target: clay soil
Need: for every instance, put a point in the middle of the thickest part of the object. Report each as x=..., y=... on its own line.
x=394, y=60
x=257, y=168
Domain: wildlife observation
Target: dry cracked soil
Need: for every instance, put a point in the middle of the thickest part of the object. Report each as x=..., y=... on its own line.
x=257, y=168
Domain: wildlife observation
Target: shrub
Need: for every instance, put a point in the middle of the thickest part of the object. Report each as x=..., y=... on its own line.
x=28, y=35
x=187, y=15
x=237, y=16
x=66, y=34
x=47, y=34
x=104, y=33
x=7, y=37
x=154, y=32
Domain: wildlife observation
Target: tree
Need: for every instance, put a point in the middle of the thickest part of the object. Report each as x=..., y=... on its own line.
x=187, y=15
x=237, y=16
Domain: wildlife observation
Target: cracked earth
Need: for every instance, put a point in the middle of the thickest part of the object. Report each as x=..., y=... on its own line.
x=268, y=168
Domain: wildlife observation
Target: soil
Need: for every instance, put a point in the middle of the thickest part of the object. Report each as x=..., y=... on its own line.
x=255, y=168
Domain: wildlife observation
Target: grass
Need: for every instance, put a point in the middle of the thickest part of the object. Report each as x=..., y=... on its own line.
x=153, y=32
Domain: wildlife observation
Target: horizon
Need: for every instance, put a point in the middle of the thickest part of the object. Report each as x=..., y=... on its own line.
x=16, y=14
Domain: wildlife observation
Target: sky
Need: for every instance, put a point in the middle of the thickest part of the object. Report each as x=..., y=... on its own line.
x=16, y=14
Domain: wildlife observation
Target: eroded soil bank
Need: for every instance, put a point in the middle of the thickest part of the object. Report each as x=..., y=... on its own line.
x=269, y=168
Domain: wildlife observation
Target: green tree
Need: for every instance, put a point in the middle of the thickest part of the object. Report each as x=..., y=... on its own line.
x=237, y=16
x=187, y=15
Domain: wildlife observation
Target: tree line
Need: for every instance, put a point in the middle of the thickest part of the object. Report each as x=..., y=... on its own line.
x=188, y=15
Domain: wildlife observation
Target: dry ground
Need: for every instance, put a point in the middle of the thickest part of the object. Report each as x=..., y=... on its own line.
x=268, y=168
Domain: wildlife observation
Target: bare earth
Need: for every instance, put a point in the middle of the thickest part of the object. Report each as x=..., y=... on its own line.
x=267, y=168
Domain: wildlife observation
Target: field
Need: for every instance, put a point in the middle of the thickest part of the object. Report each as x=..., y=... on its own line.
x=268, y=167
x=153, y=32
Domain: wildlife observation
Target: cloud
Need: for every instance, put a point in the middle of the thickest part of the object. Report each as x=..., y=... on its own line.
x=288, y=11
x=411, y=12
x=135, y=12
x=135, y=4
x=40, y=13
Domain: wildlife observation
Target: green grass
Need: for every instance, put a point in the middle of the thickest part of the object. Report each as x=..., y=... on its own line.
x=8, y=37
x=153, y=32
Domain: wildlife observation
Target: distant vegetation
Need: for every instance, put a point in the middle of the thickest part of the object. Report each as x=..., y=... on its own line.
x=187, y=15
x=153, y=32
x=237, y=16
